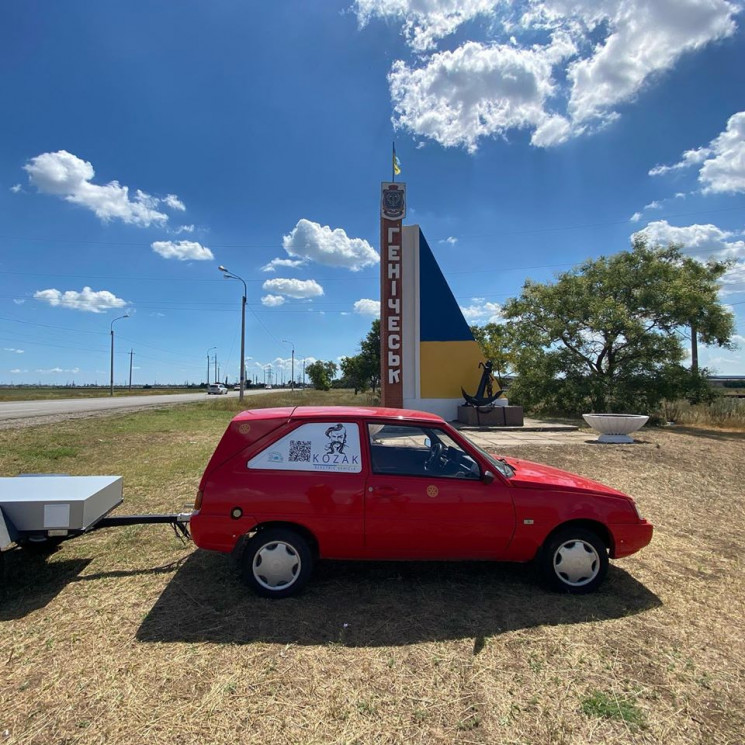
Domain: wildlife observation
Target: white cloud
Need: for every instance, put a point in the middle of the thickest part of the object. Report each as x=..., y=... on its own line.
x=425, y=21
x=733, y=282
x=86, y=300
x=15, y=351
x=295, y=288
x=70, y=178
x=55, y=370
x=17, y=371
x=722, y=161
x=285, y=263
x=272, y=301
x=700, y=241
x=690, y=158
x=172, y=201
x=19, y=300
x=482, y=311
x=645, y=37
x=16, y=188
x=366, y=307
x=184, y=229
x=311, y=241
x=724, y=170
x=635, y=217
x=450, y=239
x=476, y=91
x=558, y=68
x=182, y=250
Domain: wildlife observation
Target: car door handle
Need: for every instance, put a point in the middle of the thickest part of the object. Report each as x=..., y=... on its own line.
x=384, y=492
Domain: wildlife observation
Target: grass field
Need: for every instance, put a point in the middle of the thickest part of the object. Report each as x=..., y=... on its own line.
x=128, y=636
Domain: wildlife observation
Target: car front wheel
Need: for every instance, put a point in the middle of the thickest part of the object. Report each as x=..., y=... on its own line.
x=574, y=560
x=276, y=563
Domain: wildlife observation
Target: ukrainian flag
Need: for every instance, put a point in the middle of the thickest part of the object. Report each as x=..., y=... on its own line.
x=396, y=163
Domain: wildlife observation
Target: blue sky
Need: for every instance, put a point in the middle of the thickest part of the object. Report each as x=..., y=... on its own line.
x=146, y=143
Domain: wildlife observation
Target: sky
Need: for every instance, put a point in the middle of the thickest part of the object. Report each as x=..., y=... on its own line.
x=144, y=144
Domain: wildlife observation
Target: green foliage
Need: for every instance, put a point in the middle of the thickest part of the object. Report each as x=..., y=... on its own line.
x=605, y=706
x=495, y=342
x=363, y=370
x=606, y=336
x=321, y=374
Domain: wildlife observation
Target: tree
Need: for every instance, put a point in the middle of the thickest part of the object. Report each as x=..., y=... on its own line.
x=607, y=335
x=494, y=340
x=363, y=370
x=321, y=374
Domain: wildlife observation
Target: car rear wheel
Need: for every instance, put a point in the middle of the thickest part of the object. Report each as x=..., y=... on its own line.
x=276, y=563
x=574, y=560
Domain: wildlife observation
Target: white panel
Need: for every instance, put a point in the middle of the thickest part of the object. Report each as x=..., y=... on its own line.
x=56, y=515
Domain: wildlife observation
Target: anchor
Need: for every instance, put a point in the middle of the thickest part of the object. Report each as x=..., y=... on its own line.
x=485, y=387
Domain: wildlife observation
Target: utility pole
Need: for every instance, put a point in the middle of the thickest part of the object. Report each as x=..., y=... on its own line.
x=217, y=379
x=131, y=354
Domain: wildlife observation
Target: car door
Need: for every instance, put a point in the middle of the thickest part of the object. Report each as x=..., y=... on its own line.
x=415, y=508
x=312, y=476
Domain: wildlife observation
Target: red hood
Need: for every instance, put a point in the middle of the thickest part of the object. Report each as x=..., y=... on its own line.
x=537, y=476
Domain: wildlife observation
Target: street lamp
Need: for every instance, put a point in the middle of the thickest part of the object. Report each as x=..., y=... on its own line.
x=229, y=275
x=292, y=344
x=111, y=380
x=208, y=365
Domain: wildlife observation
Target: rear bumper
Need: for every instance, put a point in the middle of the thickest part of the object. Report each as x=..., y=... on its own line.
x=628, y=539
x=219, y=533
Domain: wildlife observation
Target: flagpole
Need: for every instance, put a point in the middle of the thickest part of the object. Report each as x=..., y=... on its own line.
x=393, y=164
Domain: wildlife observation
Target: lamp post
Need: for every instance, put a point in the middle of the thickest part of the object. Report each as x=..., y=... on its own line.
x=229, y=275
x=111, y=379
x=292, y=344
x=208, y=365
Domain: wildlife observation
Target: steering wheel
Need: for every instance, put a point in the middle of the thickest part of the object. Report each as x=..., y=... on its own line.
x=434, y=460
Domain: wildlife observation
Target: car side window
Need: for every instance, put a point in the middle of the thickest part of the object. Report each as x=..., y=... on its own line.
x=321, y=446
x=406, y=450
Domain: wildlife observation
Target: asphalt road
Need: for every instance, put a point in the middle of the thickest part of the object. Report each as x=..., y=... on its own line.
x=63, y=407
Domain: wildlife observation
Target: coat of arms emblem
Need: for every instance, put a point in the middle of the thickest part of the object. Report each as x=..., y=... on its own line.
x=393, y=201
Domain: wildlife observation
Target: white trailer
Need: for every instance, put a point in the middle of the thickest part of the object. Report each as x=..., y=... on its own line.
x=40, y=511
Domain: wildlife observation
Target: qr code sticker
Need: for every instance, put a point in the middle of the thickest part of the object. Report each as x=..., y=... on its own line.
x=300, y=451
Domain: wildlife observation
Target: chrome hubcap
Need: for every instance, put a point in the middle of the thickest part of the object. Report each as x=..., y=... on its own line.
x=276, y=565
x=576, y=562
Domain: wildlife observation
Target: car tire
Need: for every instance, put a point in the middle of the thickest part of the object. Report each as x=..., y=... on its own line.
x=276, y=563
x=573, y=560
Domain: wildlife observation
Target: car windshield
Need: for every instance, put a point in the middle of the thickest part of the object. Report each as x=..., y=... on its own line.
x=499, y=463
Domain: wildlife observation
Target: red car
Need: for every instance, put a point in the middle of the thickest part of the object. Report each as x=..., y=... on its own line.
x=288, y=486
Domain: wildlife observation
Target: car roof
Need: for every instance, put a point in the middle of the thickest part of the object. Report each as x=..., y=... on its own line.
x=338, y=412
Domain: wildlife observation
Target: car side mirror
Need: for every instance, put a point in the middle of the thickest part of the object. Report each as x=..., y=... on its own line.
x=488, y=477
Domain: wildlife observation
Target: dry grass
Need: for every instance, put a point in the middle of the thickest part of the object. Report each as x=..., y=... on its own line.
x=126, y=636
x=39, y=393
x=725, y=412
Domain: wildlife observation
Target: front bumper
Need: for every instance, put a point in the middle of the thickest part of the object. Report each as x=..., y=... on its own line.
x=630, y=538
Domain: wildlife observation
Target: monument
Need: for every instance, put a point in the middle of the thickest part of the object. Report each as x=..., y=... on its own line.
x=428, y=353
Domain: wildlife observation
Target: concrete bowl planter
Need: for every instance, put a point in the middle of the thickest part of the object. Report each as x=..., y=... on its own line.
x=615, y=428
